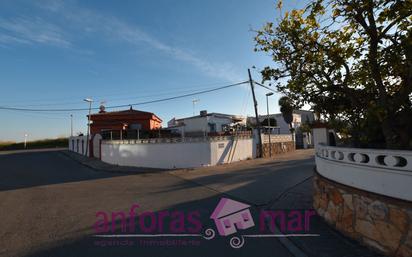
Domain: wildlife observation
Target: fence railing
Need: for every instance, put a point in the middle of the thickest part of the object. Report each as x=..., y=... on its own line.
x=275, y=138
x=176, y=140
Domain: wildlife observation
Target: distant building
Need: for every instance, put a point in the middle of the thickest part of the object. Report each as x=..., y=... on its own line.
x=281, y=126
x=299, y=117
x=123, y=120
x=305, y=116
x=205, y=123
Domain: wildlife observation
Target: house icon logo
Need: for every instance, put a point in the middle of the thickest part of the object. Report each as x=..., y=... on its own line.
x=230, y=215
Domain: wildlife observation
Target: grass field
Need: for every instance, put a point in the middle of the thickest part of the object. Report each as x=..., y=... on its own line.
x=38, y=144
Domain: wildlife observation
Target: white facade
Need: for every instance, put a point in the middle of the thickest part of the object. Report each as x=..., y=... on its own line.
x=281, y=126
x=212, y=122
x=305, y=116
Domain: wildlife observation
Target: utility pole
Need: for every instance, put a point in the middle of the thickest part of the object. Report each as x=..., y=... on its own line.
x=268, y=117
x=71, y=124
x=88, y=100
x=257, y=116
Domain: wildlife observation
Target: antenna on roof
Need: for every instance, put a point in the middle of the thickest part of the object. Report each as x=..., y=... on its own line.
x=102, y=108
x=131, y=107
x=195, y=101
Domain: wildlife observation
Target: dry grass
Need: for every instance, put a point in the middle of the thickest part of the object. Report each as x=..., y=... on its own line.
x=37, y=144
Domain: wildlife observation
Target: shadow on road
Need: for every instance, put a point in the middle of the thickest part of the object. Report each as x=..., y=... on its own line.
x=329, y=244
x=176, y=192
x=30, y=169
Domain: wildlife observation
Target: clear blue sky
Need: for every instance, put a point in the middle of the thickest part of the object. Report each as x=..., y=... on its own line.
x=55, y=53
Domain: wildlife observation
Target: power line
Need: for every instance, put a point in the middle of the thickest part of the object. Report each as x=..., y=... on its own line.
x=268, y=88
x=112, y=99
x=123, y=105
x=147, y=93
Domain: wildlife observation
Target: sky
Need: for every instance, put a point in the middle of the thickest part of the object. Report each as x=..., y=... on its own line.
x=53, y=54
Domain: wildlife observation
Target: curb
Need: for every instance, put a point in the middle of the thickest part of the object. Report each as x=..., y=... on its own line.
x=87, y=162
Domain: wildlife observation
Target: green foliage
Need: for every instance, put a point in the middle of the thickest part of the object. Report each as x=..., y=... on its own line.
x=305, y=127
x=286, y=108
x=351, y=60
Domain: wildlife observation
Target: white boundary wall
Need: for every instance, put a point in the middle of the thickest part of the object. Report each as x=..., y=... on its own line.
x=385, y=172
x=177, y=154
x=157, y=155
x=228, y=151
x=78, y=144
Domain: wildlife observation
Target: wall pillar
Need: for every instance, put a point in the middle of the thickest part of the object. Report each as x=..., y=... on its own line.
x=320, y=136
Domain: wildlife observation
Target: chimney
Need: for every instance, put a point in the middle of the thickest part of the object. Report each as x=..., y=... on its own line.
x=203, y=113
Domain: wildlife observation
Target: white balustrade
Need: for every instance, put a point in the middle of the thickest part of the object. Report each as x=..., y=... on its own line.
x=386, y=172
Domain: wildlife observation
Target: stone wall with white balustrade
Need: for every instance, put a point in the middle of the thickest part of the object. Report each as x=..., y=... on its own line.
x=367, y=195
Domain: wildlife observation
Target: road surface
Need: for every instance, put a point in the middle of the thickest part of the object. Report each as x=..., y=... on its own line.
x=49, y=202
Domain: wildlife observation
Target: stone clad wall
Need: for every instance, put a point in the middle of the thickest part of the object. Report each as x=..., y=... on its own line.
x=277, y=148
x=380, y=222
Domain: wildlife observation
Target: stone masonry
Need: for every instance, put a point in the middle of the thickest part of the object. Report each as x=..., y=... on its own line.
x=277, y=148
x=379, y=222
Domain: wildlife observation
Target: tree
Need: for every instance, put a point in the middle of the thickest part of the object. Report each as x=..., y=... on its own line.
x=352, y=60
x=286, y=108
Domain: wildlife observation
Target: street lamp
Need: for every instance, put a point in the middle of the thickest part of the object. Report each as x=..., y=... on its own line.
x=90, y=101
x=71, y=125
x=268, y=117
x=25, y=140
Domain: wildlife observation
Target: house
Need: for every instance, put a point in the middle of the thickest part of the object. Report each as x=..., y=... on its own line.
x=281, y=126
x=123, y=120
x=205, y=123
x=299, y=117
x=302, y=139
x=230, y=215
x=306, y=116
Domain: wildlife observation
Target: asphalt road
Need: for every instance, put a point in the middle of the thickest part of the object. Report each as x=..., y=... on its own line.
x=49, y=202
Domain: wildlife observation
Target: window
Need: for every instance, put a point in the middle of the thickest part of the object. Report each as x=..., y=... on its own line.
x=227, y=223
x=245, y=216
x=135, y=126
x=212, y=127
